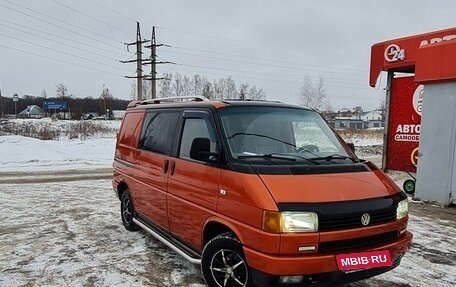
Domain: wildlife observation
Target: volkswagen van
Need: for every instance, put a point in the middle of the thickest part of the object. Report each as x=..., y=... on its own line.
x=258, y=193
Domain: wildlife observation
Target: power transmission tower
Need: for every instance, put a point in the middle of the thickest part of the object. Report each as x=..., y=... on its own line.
x=139, y=62
x=153, y=70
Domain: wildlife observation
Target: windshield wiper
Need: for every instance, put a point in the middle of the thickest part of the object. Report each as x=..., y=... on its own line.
x=267, y=156
x=329, y=158
x=259, y=135
x=300, y=157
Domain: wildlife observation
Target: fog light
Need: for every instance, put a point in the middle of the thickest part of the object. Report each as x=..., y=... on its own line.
x=290, y=279
x=402, y=232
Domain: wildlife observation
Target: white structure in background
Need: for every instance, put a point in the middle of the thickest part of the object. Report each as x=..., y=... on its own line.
x=32, y=111
x=436, y=174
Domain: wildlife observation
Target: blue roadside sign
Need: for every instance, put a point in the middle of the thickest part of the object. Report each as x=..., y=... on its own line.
x=58, y=105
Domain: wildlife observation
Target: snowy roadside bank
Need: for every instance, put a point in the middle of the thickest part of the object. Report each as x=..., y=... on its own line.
x=24, y=154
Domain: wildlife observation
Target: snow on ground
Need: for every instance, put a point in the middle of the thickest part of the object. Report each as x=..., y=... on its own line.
x=70, y=234
x=18, y=153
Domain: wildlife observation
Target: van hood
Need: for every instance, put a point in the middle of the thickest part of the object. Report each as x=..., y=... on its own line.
x=329, y=187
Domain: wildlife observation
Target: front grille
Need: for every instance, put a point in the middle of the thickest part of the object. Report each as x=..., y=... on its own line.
x=360, y=242
x=353, y=220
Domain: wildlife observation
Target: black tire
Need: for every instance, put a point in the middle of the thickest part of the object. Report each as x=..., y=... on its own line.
x=223, y=263
x=127, y=211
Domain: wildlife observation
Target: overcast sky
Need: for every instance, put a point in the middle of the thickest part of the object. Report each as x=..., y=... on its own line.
x=268, y=43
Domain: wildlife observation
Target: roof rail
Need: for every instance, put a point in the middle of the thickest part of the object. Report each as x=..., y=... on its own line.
x=175, y=99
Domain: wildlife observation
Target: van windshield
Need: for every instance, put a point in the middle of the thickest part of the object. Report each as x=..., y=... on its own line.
x=281, y=135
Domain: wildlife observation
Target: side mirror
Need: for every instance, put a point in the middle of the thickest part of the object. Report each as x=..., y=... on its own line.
x=351, y=146
x=201, y=150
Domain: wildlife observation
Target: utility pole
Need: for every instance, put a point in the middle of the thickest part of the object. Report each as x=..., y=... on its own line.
x=1, y=103
x=15, y=100
x=139, y=62
x=153, y=62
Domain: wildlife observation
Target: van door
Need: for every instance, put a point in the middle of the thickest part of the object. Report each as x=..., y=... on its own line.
x=193, y=183
x=152, y=165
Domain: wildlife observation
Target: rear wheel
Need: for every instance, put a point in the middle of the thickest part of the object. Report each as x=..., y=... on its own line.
x=127, y=212
x=223, y=263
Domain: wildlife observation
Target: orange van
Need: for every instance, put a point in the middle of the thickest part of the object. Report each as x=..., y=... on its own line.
x=258, y=193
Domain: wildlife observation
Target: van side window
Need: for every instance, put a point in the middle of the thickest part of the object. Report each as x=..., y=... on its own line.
x=196, y=128
x=158, y=131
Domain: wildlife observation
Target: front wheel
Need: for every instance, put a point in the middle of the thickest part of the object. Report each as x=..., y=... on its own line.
x=223, y=263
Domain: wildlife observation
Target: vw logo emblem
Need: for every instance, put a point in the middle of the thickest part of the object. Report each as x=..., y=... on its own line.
x=365, y=219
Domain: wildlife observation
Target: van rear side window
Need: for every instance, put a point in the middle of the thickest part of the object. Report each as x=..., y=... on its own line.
x=158, y=131
x=131, y=124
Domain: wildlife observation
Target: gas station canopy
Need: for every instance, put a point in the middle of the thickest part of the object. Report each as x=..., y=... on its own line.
x=404, y=54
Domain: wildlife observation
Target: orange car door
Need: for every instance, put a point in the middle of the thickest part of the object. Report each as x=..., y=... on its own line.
x=193, y=182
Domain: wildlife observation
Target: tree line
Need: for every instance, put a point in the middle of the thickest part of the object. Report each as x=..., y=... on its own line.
x=77, y=107
x=312, y=94
x=178, y=85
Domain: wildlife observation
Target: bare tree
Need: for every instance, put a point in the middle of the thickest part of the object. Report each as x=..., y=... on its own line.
x=243, y=91
x=61, y=90
x=223, y=88
x=313, y=96
x=106, y=98
x=256, y=94
x=208, y=91
x=164, y=86
x=44, y=94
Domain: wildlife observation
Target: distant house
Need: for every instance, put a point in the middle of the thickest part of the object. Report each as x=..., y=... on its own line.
x=366, y=120
x=347, y=123
x=32, y=111
x=373, y=119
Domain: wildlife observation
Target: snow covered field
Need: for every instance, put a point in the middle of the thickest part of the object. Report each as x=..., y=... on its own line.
x=61, y=224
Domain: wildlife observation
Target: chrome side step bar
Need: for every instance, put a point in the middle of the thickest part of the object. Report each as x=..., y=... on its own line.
x=167, y=242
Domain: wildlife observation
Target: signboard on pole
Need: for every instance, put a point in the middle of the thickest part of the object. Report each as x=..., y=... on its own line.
x=55, y=105
x=404, y=120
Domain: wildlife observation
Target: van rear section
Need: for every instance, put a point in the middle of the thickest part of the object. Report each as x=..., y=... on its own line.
x=259, y=193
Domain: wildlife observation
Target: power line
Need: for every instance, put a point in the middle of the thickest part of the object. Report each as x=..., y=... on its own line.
x=57, y=36
x=264, y=64
x=269, y=91
x=89, y=16
x=58, y=20
x=112, y=10
x=58, y=60
x=61, y=43
x=241, y=71
x=263, y=45
x=59, y=51
x=276, y=79
x=262, y=59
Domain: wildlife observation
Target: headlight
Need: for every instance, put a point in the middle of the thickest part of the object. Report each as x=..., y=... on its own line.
x=290, y=221
x=402, y=209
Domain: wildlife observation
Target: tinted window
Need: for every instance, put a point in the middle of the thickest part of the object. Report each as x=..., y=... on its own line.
x=196, y=128
x=158, y=131
x=130, y=125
